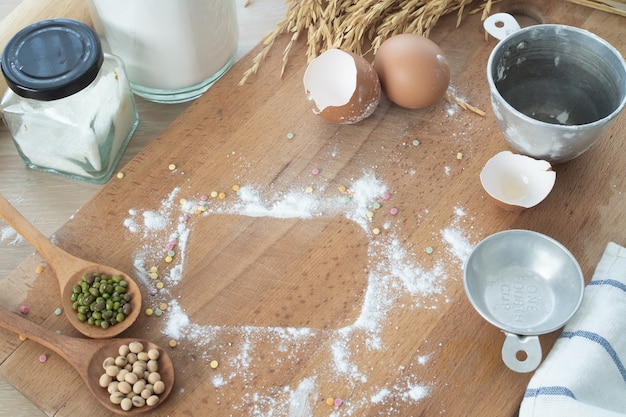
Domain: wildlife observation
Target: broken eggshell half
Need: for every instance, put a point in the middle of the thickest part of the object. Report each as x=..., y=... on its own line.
x=515, y=181
x=344, y=87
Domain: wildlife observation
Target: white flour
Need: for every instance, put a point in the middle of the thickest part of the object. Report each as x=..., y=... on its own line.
x=9, y=234
x=75, y=134
x=394, y=273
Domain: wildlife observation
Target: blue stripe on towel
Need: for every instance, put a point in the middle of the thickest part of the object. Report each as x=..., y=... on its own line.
x=610, y=282
x=556, y=390
x=596, y=338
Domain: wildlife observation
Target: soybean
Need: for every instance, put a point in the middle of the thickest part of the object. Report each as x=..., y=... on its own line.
x=117, y=397
x=121, y=361
x=132, y=378
x=105, y=380
x=135, y=347
x=152, y=400
x=126, y=404
x=138, y=401
x=112, y=370
x=158, y=387
x=124, y=387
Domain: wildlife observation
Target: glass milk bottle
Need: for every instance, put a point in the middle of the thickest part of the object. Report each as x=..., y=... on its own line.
x=174, y=50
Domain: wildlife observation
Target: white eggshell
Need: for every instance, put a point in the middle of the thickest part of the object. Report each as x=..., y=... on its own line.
x=517, y=181
x=344, y=87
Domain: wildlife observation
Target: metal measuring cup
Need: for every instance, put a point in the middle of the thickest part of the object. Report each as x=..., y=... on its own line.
x=527, y=284
x=555, y=89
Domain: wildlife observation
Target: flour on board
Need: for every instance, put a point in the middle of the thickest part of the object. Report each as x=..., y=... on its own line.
x=393, y=274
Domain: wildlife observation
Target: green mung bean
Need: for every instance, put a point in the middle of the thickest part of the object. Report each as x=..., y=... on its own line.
x=101, y=300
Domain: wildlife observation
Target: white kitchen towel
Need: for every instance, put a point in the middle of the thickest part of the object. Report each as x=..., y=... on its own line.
x=584, y=375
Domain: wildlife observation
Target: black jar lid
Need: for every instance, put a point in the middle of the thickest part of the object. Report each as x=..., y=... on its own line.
x=52, y=59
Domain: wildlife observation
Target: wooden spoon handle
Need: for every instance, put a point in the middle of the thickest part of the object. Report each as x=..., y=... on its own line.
x=19, y=325
x=77, y=352
x=53, y=254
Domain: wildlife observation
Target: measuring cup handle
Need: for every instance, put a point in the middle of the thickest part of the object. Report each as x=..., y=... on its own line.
x=501, y=25
x=527, y=346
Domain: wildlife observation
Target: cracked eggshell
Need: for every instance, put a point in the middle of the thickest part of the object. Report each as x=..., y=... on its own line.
x=515, y=181
x=343, y=86
x=413, y=71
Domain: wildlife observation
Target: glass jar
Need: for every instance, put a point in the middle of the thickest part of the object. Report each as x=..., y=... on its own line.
x=69, y=107
x=173, y=50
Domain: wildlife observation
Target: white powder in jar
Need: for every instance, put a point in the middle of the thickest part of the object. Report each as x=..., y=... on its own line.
x=165, y=44
x=79, y=135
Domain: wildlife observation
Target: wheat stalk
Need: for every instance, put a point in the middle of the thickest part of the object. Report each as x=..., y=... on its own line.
x=352, y=25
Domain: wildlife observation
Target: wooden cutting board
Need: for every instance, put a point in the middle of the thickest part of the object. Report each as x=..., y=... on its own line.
x=299, y=289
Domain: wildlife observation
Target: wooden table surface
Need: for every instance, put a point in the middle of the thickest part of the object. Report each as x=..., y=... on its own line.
x=31, y=191
x=299, y=290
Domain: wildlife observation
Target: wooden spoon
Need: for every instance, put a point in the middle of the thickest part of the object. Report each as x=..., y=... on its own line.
x=87, y=356
x=69, y=271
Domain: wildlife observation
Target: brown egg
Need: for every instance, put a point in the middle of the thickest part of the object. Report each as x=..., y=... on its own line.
x=412, y=69
x=343, y=86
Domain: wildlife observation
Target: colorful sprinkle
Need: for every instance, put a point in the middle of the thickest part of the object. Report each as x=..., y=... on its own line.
x=120, y=175
x=416, y=142
x=342, y=189
x=459, y=155
x=171, y=167
x=330, y=401
x=386, y=196
x=376, y=206
x=173, y=343
x=158, y=312
x=24, y=309
x=338, y=402
x=214, y=364
x=159, y=285
x=58, y=311
x=376, y=231
x=290, y=135
x=214, y=194
x=308, y=190
x=149, y=312
x=315, y=171
x=153, y=291
x=163, y=306
x=43, y=358
x=236, y=187
x=22, y=337
x=39, y=270
x=393, y=211
x=370, y=214
x=429, y=250
x=168, y=259
x=221, y=196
